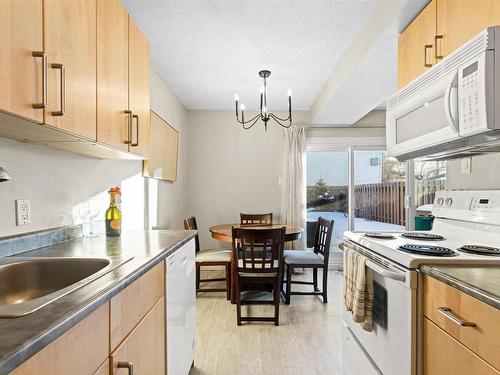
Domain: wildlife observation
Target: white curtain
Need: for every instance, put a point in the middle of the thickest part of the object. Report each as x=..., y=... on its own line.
x=293, y=189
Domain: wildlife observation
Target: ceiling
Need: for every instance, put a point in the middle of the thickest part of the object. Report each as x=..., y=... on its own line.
x=206, y=51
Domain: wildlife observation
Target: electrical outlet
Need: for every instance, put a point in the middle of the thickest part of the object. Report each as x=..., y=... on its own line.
x=466, y=165
x=23, y=212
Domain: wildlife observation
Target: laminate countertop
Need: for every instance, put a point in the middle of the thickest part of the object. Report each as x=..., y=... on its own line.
x=481, y=282
x=22, y=337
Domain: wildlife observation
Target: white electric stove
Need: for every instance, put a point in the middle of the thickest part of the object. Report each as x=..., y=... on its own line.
x=466, y=231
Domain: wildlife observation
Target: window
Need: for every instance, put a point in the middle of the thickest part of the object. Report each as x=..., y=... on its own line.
x=327, y=192
x=379, y=190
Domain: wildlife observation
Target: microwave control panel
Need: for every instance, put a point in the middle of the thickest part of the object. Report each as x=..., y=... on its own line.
x=472, y=96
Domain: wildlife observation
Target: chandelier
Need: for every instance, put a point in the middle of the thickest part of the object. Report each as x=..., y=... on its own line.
x=264, y=115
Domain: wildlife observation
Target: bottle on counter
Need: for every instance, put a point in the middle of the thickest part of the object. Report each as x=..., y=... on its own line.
x=113, y=214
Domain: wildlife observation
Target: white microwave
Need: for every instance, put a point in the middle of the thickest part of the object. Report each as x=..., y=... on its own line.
x=453, y=108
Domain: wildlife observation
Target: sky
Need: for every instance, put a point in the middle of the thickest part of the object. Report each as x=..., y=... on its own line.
x=333, y=167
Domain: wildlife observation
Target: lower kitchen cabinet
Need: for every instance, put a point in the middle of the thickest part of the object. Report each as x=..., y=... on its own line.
x=79, y=351
x=144, y=347
x=443, y=355
x=460, y=332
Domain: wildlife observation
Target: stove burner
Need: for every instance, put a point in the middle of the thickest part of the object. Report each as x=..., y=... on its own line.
x=382, y=236
x=428, y=250
x=422, y=236
x=480, y=250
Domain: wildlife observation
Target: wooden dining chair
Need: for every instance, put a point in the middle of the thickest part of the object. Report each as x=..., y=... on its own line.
x=210, y=257
x=249, y=219
x=316, y=259
x=259, y=255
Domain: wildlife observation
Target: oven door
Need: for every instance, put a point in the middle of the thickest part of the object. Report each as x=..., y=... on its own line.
x=428, y=118
x=391, y=347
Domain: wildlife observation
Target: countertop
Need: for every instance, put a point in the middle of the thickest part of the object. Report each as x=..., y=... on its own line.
x=481, y=282
x=22, y=337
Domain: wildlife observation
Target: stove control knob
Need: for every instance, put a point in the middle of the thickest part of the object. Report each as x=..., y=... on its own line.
x=448, y=201
x=440, y=201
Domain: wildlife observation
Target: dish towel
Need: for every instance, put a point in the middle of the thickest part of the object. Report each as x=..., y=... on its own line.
x=358, y=289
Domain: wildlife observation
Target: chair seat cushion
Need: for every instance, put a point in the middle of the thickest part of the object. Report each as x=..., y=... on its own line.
x=302, y=257
x=213, y=255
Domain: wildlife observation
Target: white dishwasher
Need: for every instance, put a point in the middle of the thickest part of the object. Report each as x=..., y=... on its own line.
x=180, y=302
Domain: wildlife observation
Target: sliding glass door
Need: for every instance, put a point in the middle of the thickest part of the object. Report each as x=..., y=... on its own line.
x=379, y=191
x=327, y=192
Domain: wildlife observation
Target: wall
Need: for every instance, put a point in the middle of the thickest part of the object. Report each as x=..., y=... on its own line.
x=167, y=200
x=484, y=174
x=58, y=182
x=232, y=170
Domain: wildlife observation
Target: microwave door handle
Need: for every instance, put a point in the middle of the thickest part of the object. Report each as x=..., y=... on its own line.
x=448, y=98
x=385, y=272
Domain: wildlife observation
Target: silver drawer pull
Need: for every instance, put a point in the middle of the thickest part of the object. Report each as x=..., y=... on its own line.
x=447, y=312
x=127, y=365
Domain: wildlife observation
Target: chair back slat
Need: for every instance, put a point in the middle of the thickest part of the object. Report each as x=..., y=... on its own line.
x=252, y=219
x=190, y=224
x=259, y=250
x=323, y=237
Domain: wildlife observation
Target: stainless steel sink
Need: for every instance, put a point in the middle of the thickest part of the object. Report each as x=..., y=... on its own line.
x=27, y=284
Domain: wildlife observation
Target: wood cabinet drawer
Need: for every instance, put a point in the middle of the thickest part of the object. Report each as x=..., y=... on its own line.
x=132, y=304
x=144, y=348
x=443, y=355
x=81, y=350
x=482, y=338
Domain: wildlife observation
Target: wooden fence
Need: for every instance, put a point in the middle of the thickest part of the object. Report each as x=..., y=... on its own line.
x=384, y=202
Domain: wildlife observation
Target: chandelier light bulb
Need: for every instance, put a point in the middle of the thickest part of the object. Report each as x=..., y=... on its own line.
x=242, y=107
x=236, y=97
x=289, y=92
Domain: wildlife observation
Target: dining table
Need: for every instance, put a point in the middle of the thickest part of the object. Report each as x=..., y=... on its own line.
x=223, y=232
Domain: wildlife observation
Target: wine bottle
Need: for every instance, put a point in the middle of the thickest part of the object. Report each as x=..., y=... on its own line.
x=113, y=214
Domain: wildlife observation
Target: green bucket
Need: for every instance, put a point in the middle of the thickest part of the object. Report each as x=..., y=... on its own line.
x=423, y=222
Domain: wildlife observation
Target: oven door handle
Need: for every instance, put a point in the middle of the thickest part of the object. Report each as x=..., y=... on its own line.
x=385, y=272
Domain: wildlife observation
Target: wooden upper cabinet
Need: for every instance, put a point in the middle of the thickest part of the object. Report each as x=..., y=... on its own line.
x=70, y=44
x=21, y=73
x=416, y=52
x=460, y=20
x=145, y=346
x=139, y=90
x=112, y=74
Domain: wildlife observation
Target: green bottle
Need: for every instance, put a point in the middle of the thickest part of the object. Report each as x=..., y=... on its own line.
x=113, y=215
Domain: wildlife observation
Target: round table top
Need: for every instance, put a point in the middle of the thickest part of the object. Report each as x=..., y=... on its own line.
x=222, y=232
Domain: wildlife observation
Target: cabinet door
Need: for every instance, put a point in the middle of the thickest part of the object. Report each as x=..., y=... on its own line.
x=79, y=351
x=112, y=74
x=70, y=44
x=416, y=51
x=21, y=73
x=144, y=348
x=443, y=355
x=460, y=20
x=139, y=89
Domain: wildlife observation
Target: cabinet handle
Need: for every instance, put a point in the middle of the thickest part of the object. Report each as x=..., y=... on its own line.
x=137, y=133
x=129, y=127
x=448, y=313
x=426, y=47
x=128, y=365
x=62, y=88
x=43, y=55
x=436, y=39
